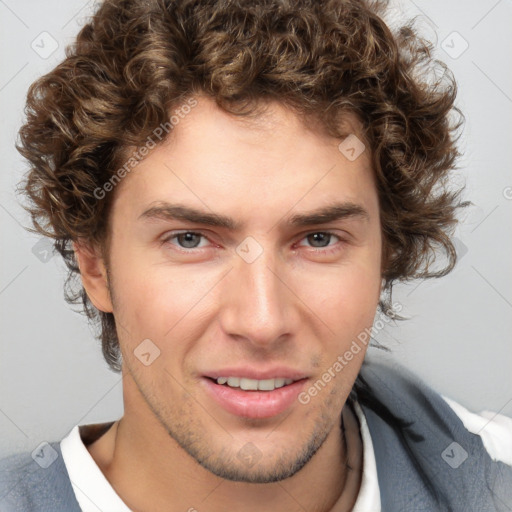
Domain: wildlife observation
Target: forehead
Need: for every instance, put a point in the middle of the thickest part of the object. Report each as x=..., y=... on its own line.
x=214, y=159
x=273, y=124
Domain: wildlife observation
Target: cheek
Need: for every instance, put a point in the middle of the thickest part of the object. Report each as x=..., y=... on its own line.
x=345, y=300
x=156, y=301
x=347, y=305
x=346, y=297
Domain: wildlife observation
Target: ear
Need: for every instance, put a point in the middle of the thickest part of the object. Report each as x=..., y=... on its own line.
x=93, y=272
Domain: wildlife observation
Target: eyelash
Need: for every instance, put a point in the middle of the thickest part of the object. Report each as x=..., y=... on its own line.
x=320, y=250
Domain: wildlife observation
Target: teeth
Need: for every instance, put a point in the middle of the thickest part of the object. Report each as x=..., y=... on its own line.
x=267, y=384
x=254, y=384
x=278, y=383
x=249, y=384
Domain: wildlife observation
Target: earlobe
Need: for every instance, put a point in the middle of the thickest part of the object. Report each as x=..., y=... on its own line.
x=93, y=273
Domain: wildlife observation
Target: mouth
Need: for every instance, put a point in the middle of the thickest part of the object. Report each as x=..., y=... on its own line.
x=254, y=398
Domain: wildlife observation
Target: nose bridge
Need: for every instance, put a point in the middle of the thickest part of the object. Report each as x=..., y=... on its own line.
x=255, y=306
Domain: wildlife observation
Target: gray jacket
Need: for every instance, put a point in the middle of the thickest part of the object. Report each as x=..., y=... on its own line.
x=426, y=459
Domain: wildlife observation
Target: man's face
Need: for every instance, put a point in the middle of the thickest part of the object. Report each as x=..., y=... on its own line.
x=267, y=298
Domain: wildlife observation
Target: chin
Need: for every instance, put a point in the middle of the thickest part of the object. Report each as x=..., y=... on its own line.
x=251, y=465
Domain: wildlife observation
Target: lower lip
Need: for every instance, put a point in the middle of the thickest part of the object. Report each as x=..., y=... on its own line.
x=254, y=404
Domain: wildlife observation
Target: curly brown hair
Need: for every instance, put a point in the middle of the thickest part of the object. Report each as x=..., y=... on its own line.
x=136, y=60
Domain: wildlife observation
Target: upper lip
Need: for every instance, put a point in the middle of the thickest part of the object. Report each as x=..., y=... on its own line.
x=252, y=373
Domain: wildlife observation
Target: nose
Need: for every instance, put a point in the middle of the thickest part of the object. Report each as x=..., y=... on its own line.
x=256, y=302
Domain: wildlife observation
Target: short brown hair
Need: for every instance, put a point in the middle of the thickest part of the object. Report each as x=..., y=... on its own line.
x=138, y=59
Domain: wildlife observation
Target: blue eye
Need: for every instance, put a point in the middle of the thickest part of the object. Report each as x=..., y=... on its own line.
x=321, y=240
x=321, y=237
x=187, y=239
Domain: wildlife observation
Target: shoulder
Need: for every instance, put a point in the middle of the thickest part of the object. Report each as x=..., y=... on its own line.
x=36, y=481
x=431, y=448
x=15, y=471
x=391, y=388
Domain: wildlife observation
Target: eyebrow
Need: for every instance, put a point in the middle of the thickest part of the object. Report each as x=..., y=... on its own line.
x=331, y=213
x=322, y=215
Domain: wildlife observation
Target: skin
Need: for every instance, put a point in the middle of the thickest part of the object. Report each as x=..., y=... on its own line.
x=205, y=308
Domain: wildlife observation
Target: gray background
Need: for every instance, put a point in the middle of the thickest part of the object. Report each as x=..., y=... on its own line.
x=52, y=375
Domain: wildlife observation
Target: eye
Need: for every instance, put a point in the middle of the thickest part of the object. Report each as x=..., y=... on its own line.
x=186, y=240
x=321, y=240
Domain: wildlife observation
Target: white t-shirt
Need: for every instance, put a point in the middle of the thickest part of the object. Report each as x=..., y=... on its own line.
x=94, y=493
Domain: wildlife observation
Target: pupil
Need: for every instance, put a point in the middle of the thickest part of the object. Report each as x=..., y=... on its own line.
x=187, y=240
x=319, y=237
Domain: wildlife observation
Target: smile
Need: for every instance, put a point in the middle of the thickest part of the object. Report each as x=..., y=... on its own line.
x=254, y=384
x=254, y=398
